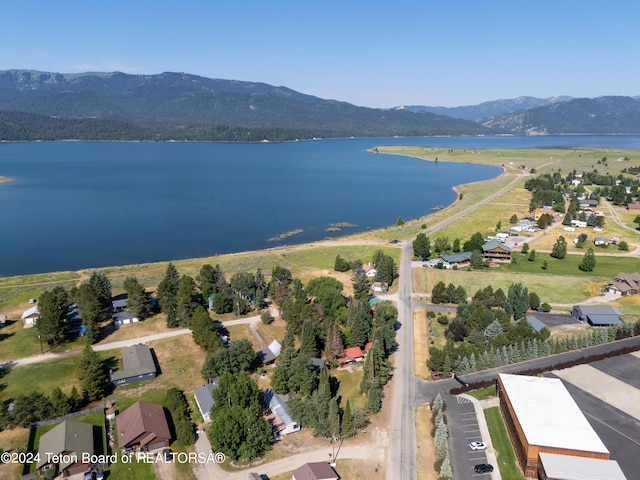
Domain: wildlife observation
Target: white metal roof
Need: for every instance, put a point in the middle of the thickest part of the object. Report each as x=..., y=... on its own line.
x=568, y=467
x=548, y=415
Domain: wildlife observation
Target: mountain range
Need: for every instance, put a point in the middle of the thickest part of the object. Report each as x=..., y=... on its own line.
x=178, y=106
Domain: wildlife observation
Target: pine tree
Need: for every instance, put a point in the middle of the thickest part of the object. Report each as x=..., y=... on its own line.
x=347, y=427
x=166, y=294
x=446, y=473
x=334, y=418
x=308, y=340
x=93, y=376
x=334, y=346
x=185, y=300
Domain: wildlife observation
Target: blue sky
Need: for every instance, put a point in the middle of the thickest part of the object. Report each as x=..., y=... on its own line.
x=370, y=53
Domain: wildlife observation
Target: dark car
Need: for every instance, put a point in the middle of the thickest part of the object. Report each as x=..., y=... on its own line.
x=483, y=468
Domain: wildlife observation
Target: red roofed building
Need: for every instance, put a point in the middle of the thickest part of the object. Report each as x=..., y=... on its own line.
x=353, y=354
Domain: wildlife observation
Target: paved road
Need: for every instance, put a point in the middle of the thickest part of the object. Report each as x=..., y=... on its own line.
x=401, y=461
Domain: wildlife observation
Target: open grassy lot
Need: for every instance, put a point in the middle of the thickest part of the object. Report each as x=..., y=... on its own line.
x=42, y=377
x=11, y=441
x=606, y=266
x=349, y=388
x=509, y=469
x=550, y=288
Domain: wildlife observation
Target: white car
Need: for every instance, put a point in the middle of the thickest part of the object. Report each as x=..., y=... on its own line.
x=478, y=446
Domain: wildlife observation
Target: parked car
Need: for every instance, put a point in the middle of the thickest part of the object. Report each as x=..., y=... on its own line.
x=483, y=468
x=168, y=455
x=99, y=474
x=478, y=446
x=89, y=475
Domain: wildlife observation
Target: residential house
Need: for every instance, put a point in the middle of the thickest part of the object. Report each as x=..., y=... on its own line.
x=380, y=287
x=30, y=316
x=458, y=260
x=354, y=354
x=315, y=471
x=495, y=251
x=625, y=283
x=369, y=271
x=600, y=241
x=597, y=316
x=204, y=398
x=143, y=426
x=138, y=366
x=351, y=355
x=282, y=423
x=269, y=354
x=62, y=449
x=121, y=316
x=633, y=206
x=579, y=223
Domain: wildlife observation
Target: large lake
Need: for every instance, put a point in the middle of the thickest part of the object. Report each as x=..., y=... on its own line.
x=78, y=205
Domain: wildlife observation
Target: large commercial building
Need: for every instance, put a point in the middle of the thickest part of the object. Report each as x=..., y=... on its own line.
x=541, y=417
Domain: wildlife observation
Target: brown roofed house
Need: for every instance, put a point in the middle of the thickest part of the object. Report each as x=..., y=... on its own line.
x=62, y=448
x=144, y=426
x=625, y=283
x=315, y=471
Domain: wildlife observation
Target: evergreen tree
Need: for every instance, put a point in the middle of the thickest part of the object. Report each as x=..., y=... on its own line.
x=93, y=376
x=439, y=293
x=374, y=399
x=137, y=298
x=101, y=287
x=347, y=425
x=361, y=287
x=308, y=340
x=334, y=418
x=360, y=322
x=186, y=300
x=90, y=310
x=166, y=294
x=589, y=261
x=334, y=345
x=50, y=323
x=59, y=403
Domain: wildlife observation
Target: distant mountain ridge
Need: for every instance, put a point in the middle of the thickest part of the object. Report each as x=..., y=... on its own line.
x=180, y=106
x=602, y=115
x=489, y=109
x=183, y=107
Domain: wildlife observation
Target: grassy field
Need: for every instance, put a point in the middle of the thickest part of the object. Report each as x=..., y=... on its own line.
x=509, y=469
x=550, y=288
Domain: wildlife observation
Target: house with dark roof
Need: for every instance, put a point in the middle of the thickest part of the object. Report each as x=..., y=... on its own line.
x=282, y=423
x=625, y=283
x=269, y=354
x=138, y=364
x=315, y=471
x=535, y=322
x=204, y=398
x=458, y=260
x=143, y=426
x=62, y=448
x=495, y=251
x=597, y=315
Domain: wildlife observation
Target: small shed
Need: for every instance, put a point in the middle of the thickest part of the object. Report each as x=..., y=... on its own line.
x=283, y=424
x=30, y=316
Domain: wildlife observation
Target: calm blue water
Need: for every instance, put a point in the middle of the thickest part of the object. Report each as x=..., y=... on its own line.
x=80, y=205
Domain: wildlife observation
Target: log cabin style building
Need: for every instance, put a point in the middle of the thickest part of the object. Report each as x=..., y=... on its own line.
x=496, y=251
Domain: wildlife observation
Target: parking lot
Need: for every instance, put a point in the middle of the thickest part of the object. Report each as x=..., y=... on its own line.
x=464, y=429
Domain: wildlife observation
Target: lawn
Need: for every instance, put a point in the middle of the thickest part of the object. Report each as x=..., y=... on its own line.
x=483, y=393
x=42, y=377
x=550, y=288
x=509, y=469
x=349, y=388
x=420, y=343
